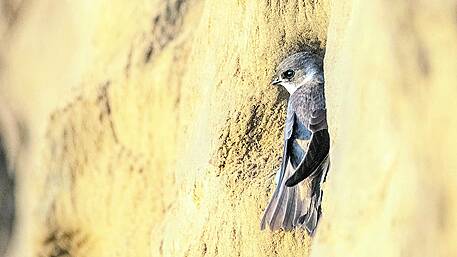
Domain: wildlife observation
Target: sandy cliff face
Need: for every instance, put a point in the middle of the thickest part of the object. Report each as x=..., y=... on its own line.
x=391, y=84
x=149, y=128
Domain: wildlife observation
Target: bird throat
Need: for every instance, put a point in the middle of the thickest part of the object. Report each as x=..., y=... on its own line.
x=290, y=88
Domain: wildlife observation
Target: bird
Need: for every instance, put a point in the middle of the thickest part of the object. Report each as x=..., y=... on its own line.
x=296, y=201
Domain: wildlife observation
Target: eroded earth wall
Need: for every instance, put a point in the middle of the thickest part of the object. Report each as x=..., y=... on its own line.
x=148, y=128
x=391, y=83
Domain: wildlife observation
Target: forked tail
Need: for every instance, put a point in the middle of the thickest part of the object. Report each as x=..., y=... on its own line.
x=297, y=206
x=286, y=206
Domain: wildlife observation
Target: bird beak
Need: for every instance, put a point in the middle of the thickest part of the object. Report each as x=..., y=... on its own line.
x=276, y=81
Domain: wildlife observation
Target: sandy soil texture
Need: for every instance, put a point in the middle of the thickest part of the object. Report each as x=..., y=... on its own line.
x=149, y=128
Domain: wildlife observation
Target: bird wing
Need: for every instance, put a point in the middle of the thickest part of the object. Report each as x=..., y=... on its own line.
x=288, y=138
x=285, y=206
x=317, y=152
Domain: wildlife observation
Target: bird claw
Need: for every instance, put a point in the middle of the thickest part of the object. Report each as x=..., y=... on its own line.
x=318, y=112
x=317, y=127
x=318, y=116
x=318, y=120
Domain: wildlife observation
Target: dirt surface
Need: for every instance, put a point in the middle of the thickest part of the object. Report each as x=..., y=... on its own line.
x=392, y=190
x=150, y=129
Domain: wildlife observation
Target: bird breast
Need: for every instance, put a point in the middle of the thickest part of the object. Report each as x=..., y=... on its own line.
x=306, y=100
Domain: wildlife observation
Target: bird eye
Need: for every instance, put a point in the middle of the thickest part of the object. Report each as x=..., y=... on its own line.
x=288, y=74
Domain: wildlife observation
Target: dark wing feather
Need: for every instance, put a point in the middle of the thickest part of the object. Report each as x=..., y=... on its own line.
x=317, y=152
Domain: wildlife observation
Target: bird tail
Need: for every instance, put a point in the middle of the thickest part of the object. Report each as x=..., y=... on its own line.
x=297, y=206
x=311, y=218
x=286, y=206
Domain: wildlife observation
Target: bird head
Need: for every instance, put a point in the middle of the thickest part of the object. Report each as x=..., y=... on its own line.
x=299, y=69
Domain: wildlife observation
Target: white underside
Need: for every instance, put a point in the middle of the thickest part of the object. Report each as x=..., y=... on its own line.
x=291, y=87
